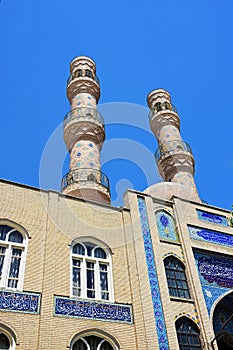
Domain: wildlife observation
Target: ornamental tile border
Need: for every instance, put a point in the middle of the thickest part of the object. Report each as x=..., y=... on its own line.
x=205, y=235
x=176, y=255
x=213, y=218
x=194, y=318
x=153, y=278
x=71, y=307
x=19, y=302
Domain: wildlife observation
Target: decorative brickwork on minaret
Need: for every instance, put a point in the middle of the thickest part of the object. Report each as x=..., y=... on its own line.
x=174, y=156
x=84, y=134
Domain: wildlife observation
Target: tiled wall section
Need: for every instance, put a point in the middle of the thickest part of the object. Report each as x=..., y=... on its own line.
x=213, y=218
x=166, y=226
x=153, y=278
x=202, y=234
x=216, y=276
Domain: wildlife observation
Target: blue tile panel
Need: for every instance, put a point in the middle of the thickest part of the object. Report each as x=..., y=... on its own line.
x=216, y=276
x=213, y=218
x=153, y=278
x=19, y=302
x=92, y=309
x=166, y=226
x=202, y=234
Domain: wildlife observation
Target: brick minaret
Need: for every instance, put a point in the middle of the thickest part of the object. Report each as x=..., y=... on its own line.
x=174, y=156
x=84, y=134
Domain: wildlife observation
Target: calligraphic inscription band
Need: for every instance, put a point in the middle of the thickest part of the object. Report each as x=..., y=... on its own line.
x=92, y=309
x=19, y=302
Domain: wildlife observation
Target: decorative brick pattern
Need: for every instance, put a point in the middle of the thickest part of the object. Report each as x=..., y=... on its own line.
x=153, y=278
x=92, y=309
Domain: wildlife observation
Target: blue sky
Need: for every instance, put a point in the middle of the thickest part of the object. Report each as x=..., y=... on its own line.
x=185, y=47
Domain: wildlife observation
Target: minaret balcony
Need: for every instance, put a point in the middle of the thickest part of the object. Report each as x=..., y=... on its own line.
x=171, y=148
x=85, y=177
x=80, y=74
x=162, y=106
x=83, y=114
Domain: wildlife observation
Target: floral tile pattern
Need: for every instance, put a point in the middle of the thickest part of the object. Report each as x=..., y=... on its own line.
x=153, y=278
x=166, y=226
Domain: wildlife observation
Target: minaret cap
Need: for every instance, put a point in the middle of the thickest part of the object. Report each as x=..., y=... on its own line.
x=82, y=61
x=158, y=95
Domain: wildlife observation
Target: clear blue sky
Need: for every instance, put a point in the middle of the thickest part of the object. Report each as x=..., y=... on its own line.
x=183, y=46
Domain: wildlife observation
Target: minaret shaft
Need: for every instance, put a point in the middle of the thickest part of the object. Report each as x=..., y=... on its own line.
x=174, y=157
x=84, y=134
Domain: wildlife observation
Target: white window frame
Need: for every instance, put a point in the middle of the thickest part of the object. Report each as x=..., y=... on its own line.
x=103, y=337
x=83, y=267
x=9, y=246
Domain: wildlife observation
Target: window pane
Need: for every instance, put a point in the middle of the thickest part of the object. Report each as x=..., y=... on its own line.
x=79, y=345
x=106, y=346
x=90, y=280
x=4, y=342
x=176, y=278
x=14, y=268
x=4, y=229
x=100, y=253
x=76, y=277
x=188, y=334
x=2, y=256
x=78, y=249
x=15, y=237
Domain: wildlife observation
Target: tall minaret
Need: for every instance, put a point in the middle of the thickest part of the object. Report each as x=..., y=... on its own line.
x=84, y=134
x=174, y=156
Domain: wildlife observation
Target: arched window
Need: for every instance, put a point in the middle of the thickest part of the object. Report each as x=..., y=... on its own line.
x=7, y=338
x=92, y=343
x=188, y=334
x=91, y=272
x=176, y=278
x=12, y=257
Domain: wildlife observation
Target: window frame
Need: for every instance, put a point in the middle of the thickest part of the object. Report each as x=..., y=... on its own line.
x=9, y=246
x=97, y=270
x=93, y=332
x=178, y=289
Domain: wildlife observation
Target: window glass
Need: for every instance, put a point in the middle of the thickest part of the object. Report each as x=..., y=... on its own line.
x=15, y=237
x=4, y=342
x=176, y=278
x=92, y=343
x=11, y=257
x=188, y=334
x=90, y=272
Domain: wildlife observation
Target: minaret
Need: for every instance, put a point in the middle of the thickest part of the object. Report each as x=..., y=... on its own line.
x=174, y=156
x=84, y=134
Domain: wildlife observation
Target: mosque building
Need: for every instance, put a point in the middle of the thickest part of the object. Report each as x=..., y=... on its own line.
x=77, y=273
